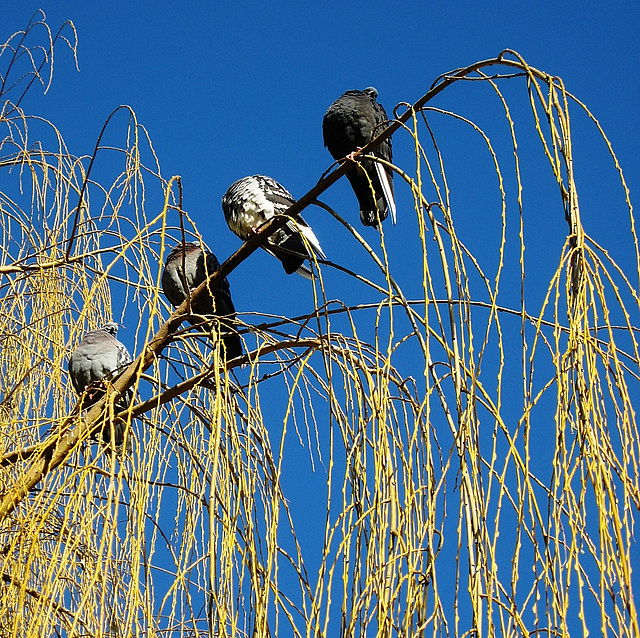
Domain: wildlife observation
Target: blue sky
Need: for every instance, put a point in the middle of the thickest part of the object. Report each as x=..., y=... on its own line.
x=236, y=88
x=230, y=89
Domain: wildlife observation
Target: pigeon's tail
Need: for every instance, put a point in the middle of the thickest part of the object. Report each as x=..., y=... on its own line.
x=373, y=217
x=387, y=190
x=232, y=345
x=290, y=262
x=305, y=272
x=293, y=263
x=311, y=238
x=287, y=245
x=373, y=206
x=115, y=428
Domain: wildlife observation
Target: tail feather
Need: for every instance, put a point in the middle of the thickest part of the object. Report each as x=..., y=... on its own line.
x=387, y=190
x=232, y=345
x=305, y=272
x=306, y=230
x=290, y=263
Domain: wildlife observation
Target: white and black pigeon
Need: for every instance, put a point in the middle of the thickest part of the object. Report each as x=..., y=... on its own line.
x=100, y=355
x=186, y=264
x=252, y=201
x=349, y=124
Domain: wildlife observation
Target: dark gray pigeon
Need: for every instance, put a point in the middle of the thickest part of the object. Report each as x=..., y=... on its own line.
x=100, y=356
x=252, y=201
x=213, y=303
x=349, y=124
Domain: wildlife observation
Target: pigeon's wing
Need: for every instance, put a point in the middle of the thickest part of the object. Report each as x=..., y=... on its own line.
x=118, y=355
x=187, y=265
x=384, y=151
x=80, y=368
x=380, y=118
x=290, y=239
x=221, y=292
x=93, y=360
x=224, y=309
x=184, y=266
x=285, y=243
x=122, y=359
x=99, y=355
x=173, y=279
x=275, y=193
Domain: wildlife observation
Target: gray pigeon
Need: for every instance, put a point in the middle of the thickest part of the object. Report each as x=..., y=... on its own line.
x=213, y=303
x=252, y=201
x=100, y=356
x=349, y=124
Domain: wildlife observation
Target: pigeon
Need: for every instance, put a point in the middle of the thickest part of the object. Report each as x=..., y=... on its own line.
x=252, y=201
x=98, y=356
x=212, y=303
x=349, y=124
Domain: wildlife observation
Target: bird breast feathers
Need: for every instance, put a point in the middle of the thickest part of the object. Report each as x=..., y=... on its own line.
x=253, y=209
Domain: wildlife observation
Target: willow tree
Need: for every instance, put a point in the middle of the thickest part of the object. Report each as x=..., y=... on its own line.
x=476, y=449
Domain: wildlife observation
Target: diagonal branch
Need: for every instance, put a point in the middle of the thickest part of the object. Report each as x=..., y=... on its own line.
x=58, y=446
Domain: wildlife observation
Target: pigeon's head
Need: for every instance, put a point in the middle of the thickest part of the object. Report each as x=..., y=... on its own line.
x=187, y=247
x=371, y=91
x=111, y=328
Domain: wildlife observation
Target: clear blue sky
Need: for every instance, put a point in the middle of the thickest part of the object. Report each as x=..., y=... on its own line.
x=236, y=88
x=231, y=89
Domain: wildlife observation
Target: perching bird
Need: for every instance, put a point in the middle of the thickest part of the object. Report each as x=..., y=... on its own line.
x=349, y=124
x=252, y=201
x=213, y=303
x=98, y=356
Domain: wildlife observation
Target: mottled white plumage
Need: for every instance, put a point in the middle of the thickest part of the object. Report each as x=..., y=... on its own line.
x=252, y=201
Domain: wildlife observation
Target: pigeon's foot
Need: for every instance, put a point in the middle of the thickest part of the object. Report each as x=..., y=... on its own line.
x=96, y=389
